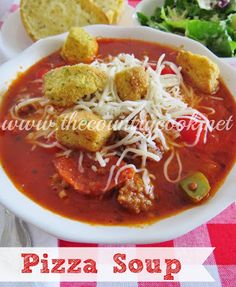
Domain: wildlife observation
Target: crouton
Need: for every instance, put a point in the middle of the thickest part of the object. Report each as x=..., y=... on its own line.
x=200, y=71
x=66, y=85
x=132, y=84
x=79, y=46
x=82, y=130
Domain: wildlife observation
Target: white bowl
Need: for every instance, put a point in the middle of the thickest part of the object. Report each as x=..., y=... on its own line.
x=65, y=228
x=147, y=7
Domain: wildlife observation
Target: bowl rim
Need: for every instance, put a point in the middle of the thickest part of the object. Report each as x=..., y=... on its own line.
x=68, y=229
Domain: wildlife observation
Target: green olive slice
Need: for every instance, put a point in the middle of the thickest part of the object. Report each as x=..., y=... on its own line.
x=196, y=186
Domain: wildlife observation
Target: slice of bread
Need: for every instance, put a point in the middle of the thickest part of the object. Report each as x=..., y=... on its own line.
x=51, y=17
x=112, y=9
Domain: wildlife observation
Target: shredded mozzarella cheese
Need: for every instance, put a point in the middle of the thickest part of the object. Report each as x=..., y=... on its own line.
x=123, y=168
x=80, y=164
x=163, y=104
x=166, y=167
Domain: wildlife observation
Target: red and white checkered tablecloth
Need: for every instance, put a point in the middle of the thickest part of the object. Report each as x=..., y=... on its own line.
x=220, y=233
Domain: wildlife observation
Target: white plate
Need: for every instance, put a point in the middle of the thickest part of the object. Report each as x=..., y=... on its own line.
x=68, y=229
x=14, y=39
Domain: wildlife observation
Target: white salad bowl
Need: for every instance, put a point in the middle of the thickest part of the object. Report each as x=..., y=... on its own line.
x=72, y=230
x=147, y=7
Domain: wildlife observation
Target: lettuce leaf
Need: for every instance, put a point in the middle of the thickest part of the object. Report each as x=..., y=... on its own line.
x=212, y=35
x=143, y=19
x=215, y=28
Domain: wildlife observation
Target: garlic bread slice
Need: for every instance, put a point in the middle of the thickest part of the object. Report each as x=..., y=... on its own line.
x=51, y=17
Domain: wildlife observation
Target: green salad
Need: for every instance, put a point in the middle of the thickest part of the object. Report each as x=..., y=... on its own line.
x=213, y=23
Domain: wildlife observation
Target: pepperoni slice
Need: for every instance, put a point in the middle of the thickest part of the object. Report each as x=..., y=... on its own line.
x=91, y=181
